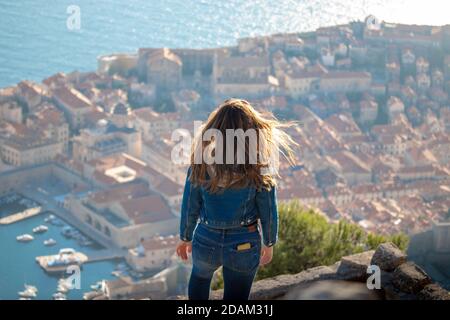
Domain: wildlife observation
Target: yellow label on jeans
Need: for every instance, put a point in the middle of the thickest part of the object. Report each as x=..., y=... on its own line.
x=244, y=246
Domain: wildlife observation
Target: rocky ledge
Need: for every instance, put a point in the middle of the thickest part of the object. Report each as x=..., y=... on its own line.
x=399, y=280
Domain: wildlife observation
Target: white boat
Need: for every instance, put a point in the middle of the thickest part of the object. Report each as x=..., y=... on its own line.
x=25, y=238
x=40, y=229
x=116, y=273
x=63, y=286
x=29, y=292
x=32, y=288
x=68, y=251
x=59, y=296
x=99, y=286
x=50, y=242
x=50, y=218
x=65, y=257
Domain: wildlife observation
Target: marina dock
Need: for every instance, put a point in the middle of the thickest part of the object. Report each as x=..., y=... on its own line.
x=104, y=255
x=77, y=258
x=31, y=212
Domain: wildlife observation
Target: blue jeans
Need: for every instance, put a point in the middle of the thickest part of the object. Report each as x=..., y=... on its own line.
x=212, y=248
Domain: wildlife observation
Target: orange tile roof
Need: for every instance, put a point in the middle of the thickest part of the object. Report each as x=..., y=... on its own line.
x=147, y=209
x=72, y=98
x=120, y=193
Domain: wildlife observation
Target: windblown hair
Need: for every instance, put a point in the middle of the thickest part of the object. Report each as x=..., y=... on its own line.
x=238, y=114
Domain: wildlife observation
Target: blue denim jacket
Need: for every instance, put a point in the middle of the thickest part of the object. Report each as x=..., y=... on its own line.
x=231, y=208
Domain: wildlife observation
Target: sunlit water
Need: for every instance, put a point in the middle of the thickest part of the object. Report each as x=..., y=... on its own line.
x=35, y=41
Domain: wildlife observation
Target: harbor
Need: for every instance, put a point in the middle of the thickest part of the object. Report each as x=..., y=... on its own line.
x=35, y=229
x=19, y=267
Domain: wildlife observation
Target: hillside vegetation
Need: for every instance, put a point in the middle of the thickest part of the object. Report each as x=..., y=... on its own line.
x=307, y=239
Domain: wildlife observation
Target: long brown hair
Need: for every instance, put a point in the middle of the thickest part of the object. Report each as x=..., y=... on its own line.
x=238, y=114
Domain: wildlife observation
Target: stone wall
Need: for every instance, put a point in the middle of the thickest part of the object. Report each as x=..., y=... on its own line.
x=400, y=279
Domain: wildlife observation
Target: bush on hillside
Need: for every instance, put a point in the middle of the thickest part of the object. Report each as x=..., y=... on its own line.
x=307, y=239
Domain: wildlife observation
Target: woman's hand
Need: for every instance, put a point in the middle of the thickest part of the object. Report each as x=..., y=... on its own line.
x=183, y=248
x=266, y=255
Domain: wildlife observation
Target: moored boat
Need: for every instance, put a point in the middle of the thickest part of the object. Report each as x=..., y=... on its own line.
x=29, y=292
x=63, y=286
x=40, y=229
x=49, y=242
x=49, y=218
x=59, y=296
x=25, y=238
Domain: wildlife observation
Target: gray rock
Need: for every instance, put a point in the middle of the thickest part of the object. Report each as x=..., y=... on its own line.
x=410, y=278
x=276, y=287
x=393, y=293
x=433, y=292
x=386, y=278
x=388, y=257
x=354, y=267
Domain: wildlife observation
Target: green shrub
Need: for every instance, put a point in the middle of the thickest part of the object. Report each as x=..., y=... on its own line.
x=307, y=239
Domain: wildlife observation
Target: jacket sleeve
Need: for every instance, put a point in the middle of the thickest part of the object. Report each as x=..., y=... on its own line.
x=190, y=209
x=266, y=202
